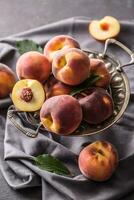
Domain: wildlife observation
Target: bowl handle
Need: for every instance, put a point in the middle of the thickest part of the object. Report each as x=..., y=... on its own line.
x=126, y=49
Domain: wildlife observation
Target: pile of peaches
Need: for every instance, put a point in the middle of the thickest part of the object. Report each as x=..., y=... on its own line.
x=47, y=79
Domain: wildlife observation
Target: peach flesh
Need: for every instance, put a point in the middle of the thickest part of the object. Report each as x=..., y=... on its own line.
x=28, y=95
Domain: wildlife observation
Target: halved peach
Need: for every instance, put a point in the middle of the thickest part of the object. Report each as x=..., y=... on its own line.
x=28, y=95
x=108, y=27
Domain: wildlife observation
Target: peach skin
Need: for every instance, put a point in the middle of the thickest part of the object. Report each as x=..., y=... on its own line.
x=98, y=161
x=58, y=43
x=61, y=114
x=7, y=80
x=98, y=67
x=97, y=105
x=53, y=87
x=33, y=65
x=71, y=66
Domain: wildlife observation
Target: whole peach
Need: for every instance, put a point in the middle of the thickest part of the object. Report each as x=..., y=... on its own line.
x=33, y=65
x=97, y=105
x=7, y=80
x=71, y=66
x=53, y=87
x=98, y=67
x=98, y=160
x=58, y=43
x=61, y=114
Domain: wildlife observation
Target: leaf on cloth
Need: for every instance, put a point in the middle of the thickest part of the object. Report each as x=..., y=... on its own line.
x=24, y=46
x=51, y=164
x=85, y=85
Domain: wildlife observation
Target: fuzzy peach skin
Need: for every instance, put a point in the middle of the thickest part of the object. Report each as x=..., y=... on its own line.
x=58, y=43
x=33, y=65
x=98, y=67
x=98, y=161
x=97, y=105
x=53, y=87
x=7, y=80
x=71, y=66
x=61, y=114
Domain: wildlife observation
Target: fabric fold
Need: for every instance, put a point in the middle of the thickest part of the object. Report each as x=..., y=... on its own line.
x=20, y=150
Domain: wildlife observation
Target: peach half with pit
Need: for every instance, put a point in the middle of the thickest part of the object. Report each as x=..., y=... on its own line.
x=28, y=95
x=97, y=105
x=61, y=114
x=33, y=65
x=98, y=161
x=7, y=80
x=57, y=43
x=71, y=66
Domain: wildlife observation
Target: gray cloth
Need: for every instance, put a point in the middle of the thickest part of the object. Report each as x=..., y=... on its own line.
x=20, y=150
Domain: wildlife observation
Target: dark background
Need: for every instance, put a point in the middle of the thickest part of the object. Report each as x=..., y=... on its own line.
x=21, y=15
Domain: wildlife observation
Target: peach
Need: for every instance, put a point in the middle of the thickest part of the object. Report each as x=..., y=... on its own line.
x=53, y=87
x=108, y=27
x=71, y=66
x=7, y=80
x=97, y=105
x=61, y=114
x=98, y=160
x=58, y=43
x=98, y=67
x=33, y=65
x=28, y=95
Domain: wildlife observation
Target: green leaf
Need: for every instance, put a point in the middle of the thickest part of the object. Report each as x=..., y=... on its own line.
x=85, y=85
x=24, y=46
x=51, y=164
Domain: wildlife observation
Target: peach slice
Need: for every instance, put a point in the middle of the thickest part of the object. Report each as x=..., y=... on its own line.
x=28, y=95
x=108, y=27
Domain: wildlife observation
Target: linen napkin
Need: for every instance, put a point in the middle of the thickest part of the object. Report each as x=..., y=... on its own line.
x=19, y=150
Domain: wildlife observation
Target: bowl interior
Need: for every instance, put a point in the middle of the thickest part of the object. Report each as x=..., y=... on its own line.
x=119, y=89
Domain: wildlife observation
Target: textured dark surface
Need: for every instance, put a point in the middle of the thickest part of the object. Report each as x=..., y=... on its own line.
x=17, y=16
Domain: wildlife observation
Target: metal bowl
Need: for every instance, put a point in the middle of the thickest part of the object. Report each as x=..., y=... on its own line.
x=119, y=90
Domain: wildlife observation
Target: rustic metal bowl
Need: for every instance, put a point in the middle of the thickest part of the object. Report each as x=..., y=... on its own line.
x=119, y=89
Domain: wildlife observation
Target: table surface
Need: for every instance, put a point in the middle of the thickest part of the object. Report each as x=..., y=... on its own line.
x=18, y=16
